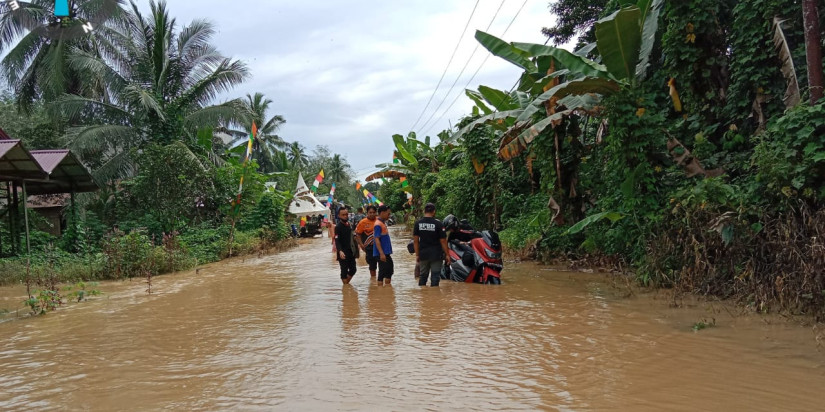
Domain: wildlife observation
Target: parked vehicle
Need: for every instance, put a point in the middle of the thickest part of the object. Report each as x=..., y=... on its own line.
x=476, y=255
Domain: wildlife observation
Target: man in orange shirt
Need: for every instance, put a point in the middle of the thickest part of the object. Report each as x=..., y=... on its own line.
x=365, y=240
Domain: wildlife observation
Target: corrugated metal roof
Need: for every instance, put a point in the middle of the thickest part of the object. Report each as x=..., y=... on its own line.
x=17, y=163
x=49, y=159
x=6, y=145
x=66, y=173
x=44, y=171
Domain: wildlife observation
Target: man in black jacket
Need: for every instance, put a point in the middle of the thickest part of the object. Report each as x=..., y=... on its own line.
x=345, y=246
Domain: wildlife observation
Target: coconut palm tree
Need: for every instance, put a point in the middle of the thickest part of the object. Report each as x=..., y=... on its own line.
x=296, y=153
x=267, y=144
x=160, y=87
x=38, y=48
x=337, y=170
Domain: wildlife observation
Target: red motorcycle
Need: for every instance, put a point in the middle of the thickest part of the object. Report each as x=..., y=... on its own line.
x=476, y=255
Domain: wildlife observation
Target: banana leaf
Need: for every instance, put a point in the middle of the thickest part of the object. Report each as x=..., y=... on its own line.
x=619, y=38
x=478, y=99
x=792, y=97
x=386, y=174
x=573, y=87
x=576, y=64
x=584, y=223
x=499, y=99
x=522, y=98
x=491, y=117
x=506, y=51
x=401, y=146
x=650, y=25
x=520, y=143
x=584, y=51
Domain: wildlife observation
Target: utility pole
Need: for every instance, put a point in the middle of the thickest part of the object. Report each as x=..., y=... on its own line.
x=813, y=48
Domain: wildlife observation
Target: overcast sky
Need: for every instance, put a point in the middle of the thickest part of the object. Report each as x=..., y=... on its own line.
x=350, y=74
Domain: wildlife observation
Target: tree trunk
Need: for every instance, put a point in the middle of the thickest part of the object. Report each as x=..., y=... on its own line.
x=813, y=47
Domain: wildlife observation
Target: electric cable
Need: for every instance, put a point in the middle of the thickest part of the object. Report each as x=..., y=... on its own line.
x=476, y=72
x=463, y=32
x=463, y=68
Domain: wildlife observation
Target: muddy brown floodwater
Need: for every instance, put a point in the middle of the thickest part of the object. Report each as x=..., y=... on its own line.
x=280, y=332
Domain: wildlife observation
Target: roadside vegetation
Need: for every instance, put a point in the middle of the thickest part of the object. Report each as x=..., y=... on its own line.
x=681, y=141
x=136, y=101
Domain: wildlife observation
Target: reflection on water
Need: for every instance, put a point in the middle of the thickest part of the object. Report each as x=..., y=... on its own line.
x=281, y=332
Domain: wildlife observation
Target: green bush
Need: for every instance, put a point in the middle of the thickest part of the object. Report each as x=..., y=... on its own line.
x=269, y=216
x=526, y=228
x=790, y=157
x=206, y=243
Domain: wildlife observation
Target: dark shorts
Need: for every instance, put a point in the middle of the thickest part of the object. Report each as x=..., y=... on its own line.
x=347, y=267
x=385, y=269
x=372, y=260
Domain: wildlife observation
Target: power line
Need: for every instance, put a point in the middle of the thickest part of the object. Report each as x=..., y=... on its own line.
x=463, y=68
x=447, y=67
x=477, y=70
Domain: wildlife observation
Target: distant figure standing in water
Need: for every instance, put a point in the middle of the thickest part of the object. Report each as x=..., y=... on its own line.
x=383, y=246
x=364, y=236
x=346, y=247
x=430, y=240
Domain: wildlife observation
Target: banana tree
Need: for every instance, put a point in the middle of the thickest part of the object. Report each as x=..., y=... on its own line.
x=569, y=81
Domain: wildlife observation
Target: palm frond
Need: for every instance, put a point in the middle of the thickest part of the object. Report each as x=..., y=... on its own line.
x=195, y=37
x=273, y=124
x=97, y=68
x=225, y=113
x=72, y=106
x=15, y=24
x=142, y=98
x=20, y=57
x=119, y=166
x=227, y=75
x=100, y=138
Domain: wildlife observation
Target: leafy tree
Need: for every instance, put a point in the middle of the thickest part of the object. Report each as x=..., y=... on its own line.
x=296, y=154
x=268, y=146
x=36, y=129
x=336, y=170
x=171, y=190
x=39, y=53
x=160, y=86
x=574, y=17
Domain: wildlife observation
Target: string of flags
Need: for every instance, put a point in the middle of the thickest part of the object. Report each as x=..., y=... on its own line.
x=369, y=196
x=318, y=180
x=331, y=192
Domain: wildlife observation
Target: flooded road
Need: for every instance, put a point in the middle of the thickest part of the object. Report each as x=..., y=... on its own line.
x=280, y=332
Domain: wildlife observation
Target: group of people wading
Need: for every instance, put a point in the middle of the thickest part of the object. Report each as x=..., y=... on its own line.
x=370, y=235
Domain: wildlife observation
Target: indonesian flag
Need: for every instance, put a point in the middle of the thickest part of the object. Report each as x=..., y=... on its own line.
x=318, y=180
